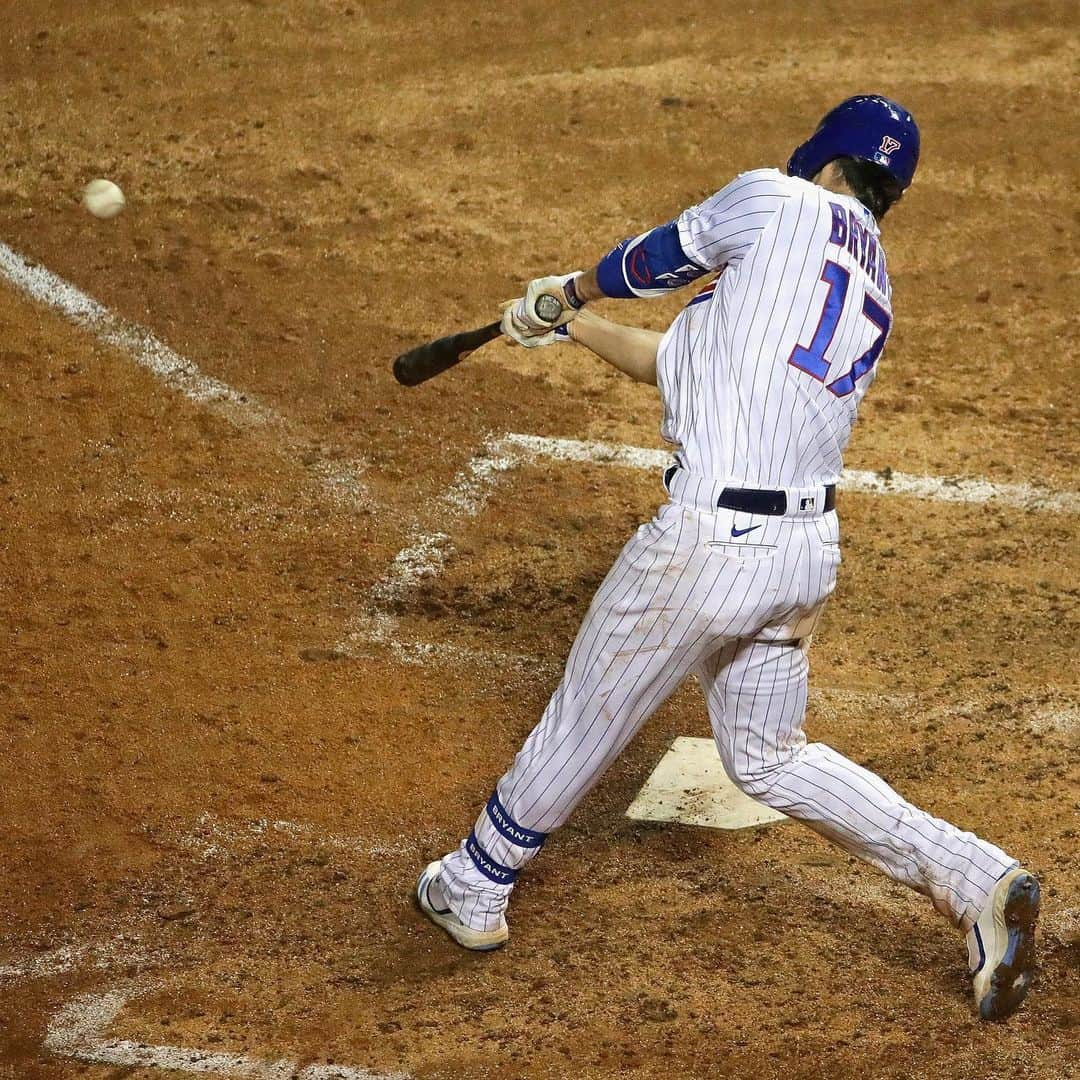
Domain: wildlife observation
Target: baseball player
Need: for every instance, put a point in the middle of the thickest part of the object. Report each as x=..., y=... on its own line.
x=761, y=375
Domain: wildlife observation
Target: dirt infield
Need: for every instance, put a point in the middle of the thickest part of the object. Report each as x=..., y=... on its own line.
x=233, y=729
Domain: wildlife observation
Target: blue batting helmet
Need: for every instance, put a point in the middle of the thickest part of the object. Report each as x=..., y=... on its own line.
x=867, y=127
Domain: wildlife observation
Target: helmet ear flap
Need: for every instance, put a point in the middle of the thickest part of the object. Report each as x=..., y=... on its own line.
x=810, y=157
x=796, y=165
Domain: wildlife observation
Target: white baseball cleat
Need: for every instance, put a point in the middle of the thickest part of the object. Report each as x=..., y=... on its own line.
x=1001, y=945
x=477, y=940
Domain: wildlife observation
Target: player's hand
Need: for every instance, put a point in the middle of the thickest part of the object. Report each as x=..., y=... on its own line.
x=531, y=341
x=520, y=320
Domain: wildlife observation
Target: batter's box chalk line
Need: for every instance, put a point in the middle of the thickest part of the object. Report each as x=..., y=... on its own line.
x=427, y=549
x=79, y=1030
x=120, y=950
x=214, y=837
x=340, y=479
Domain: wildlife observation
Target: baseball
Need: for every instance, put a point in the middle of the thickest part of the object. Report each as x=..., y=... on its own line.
x=103, y=198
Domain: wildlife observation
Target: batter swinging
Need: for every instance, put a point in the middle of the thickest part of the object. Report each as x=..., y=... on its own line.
x=761, y=375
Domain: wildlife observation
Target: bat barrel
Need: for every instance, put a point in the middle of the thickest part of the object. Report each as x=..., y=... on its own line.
x=407, y=373
x=426, y=361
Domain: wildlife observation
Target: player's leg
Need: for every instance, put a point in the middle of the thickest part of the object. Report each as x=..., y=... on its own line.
x=756, y=693
x=641, y=636
x=757, y=696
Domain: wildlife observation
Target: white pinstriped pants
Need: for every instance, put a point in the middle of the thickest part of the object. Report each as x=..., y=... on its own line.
x=684, y=597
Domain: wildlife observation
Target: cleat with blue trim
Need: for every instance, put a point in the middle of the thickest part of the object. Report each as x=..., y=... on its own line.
x=477, y=940
x=1001, y=945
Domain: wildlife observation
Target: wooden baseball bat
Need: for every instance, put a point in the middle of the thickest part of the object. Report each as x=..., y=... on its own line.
x=434, y=357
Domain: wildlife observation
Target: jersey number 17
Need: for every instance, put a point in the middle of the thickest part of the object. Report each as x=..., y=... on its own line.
x=811, y=358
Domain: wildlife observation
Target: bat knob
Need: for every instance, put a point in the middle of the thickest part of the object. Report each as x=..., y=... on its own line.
x=548, y=308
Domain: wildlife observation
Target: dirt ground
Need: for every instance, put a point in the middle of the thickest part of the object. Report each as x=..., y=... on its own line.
x=212, y=809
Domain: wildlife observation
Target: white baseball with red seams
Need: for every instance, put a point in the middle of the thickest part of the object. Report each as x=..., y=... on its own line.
x=103, y=199
x=761, y=376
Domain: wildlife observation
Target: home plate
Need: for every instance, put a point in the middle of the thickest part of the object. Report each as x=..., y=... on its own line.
x=690, y=785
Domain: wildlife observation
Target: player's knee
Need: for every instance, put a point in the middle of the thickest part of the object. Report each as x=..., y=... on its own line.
x=756, y=784
x=752, y=776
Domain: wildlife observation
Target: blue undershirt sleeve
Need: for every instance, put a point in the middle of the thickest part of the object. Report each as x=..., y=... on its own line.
x=647, y=265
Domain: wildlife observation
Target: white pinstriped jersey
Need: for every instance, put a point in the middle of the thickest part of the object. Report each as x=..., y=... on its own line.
x=762, y=372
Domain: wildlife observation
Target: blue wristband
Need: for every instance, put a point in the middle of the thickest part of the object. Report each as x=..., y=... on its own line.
x=572, y=298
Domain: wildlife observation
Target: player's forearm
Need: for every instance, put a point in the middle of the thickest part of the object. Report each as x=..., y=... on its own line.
x=630, y=349
x=651, y=264
x=587, y=288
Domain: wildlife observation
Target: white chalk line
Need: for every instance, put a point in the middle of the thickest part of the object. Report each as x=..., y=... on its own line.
x=79, y=1030
x=861, y=481
x=213, y=836
x=465, y=498
x=340, y=478
x=1064, y=720
x=424, y=556
x=54, y=962
x=426, y=552
x=121, y=950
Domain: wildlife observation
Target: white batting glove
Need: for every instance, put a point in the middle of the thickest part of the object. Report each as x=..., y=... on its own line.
x=520, y=320
x=561, y=333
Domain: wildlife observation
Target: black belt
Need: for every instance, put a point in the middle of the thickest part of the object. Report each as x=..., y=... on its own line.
x=757, y=500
